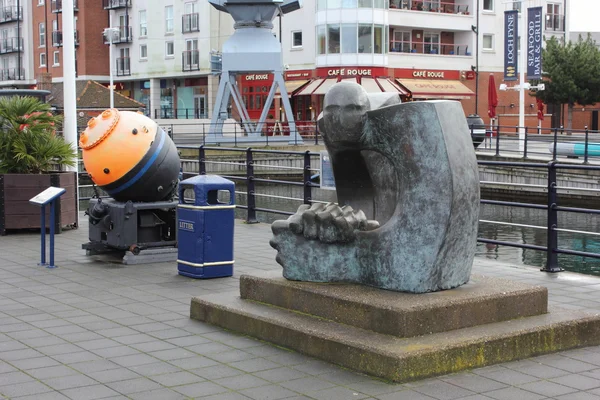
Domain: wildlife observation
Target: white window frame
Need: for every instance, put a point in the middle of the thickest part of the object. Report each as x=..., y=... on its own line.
x=301, y=40
x=43, y=60
x=56, y=59
x=41, y=2
x=144, y=46
x=167, y=55
x=143, y=23
x=492, y=42
x=42, y=34
x=169, y=29
x=488, y=9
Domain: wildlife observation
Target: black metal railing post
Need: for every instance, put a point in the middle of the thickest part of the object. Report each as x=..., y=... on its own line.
x=251, y=198
x=585, y=150
x=554, y=145
x=497, y=140
x=552, y=219
x=525, y=146
x=306, y=176
x=316, y=135
x=201, y=160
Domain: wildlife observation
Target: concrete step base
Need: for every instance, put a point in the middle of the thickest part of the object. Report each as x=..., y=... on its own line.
x=394, y=358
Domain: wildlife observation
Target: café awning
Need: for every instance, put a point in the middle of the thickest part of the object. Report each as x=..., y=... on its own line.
x=371, y=85
x=292, y=86
x=436, y=89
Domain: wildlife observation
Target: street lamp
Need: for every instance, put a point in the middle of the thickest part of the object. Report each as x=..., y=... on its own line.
x=109, y=33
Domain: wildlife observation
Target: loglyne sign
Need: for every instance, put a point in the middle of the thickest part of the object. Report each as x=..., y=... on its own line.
x=534, y=43
x=511, y=46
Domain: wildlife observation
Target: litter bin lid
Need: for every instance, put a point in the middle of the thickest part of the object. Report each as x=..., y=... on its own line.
x=201, y=180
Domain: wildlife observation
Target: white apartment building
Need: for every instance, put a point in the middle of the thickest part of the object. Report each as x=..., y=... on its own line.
x=16, y=46
x=420, y=48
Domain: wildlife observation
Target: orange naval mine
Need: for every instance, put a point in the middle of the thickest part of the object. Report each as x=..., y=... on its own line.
x=130, y=157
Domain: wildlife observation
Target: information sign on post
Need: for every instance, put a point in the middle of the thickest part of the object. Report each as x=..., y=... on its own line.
x=327, y=178
x=48, y=196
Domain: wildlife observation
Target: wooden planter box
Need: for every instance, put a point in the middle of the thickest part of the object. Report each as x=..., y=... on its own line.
x=17, y=189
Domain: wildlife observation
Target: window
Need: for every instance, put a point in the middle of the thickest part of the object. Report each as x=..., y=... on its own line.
x=432, y=43
x=143, y=51
x=169, y=25
x=321, y=39
x=365, y=38
x=554, y=21
x=401, y=42
x=321, y=5
x=348, y=3
x=297, y=39
x=170, y=49
x=488, y=5
x=42, y=34
x=42, y=59
x=143, y=24
x=378, y=39
x=56, y=59
x=41, y=2
x=333, y=39
x=488, y=42
x=349, y=38
x=517, y=6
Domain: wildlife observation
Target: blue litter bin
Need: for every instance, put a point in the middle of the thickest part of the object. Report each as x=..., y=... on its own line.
x=205, y=221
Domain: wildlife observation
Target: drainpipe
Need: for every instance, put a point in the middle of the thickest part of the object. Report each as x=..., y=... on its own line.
x=19, y=39
x=46, y=36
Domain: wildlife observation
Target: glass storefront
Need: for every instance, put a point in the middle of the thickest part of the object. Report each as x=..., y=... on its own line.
x=335, y=4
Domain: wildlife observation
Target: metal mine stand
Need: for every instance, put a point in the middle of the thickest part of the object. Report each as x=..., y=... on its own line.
x=252, y=48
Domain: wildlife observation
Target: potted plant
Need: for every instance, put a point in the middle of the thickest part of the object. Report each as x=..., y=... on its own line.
x=32, y=156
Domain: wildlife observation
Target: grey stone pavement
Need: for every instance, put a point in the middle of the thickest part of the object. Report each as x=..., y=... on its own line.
x=93, y=329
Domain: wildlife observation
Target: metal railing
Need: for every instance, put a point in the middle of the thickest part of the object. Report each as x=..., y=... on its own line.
x=190, y=23
x=10, y=14
x=11, y=45
x=56, y=6
x=445, y=49
x=531, y=142
x=12, y=74
x=307, y=172
x=57, y=38
x=190, y=60
x=114, y=4
x=430, y=5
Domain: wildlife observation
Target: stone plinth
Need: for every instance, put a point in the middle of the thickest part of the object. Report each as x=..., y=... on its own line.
x=401, y=336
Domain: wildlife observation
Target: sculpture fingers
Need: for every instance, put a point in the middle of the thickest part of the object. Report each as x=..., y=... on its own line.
x=327, y=230
x=310, y=225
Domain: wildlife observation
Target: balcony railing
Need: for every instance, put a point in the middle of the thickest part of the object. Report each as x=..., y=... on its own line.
x=430, y=48
x=11, y=14
x=555, y=22
x=190, y=23
x=190, y=60
x=431, y=6
x=115, y=4
x=11, y=45
x=124, y=35
x=56, y=6
x=12, y=74
x=57, y=38
x=123, y=66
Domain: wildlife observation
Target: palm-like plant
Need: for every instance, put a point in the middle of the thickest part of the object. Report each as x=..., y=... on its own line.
x=28, y=140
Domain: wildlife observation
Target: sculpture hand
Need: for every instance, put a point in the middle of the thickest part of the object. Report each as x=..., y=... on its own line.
x=328, y=223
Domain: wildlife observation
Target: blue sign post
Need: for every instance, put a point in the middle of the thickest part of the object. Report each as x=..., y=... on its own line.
x=48, y=196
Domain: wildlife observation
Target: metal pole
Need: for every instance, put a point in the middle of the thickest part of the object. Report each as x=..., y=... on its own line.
x=585, y=154
x=477, y=61
x=111, y=60
x=52, y=222
x=43, y=235
x=522, y=64
x=307, y=174
x=555, y=141
x=552, y=241
x=525, y=148
x=251, y=199
x=201, y=161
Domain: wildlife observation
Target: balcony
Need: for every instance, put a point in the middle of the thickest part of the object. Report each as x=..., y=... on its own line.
x=430, y=6
x=12, y=74
x=56, y=6
x=11, y=45
x=57, y=38
x=124, y=35
x=11, y=14
x=555, y=22
x=123, y=66
x=190, y=23
x=442, y=49
x=432, y=15
x=116, y=4
x=190, y=60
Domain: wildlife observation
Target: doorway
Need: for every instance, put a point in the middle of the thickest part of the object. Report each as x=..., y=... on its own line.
x=200, y=106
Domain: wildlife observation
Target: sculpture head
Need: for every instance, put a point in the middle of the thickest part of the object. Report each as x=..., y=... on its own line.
x=345, y=112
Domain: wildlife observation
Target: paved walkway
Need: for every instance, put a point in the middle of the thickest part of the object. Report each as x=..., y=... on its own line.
x=101, y=330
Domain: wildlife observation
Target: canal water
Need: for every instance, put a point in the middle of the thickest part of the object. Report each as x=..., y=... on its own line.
x=519, y=234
